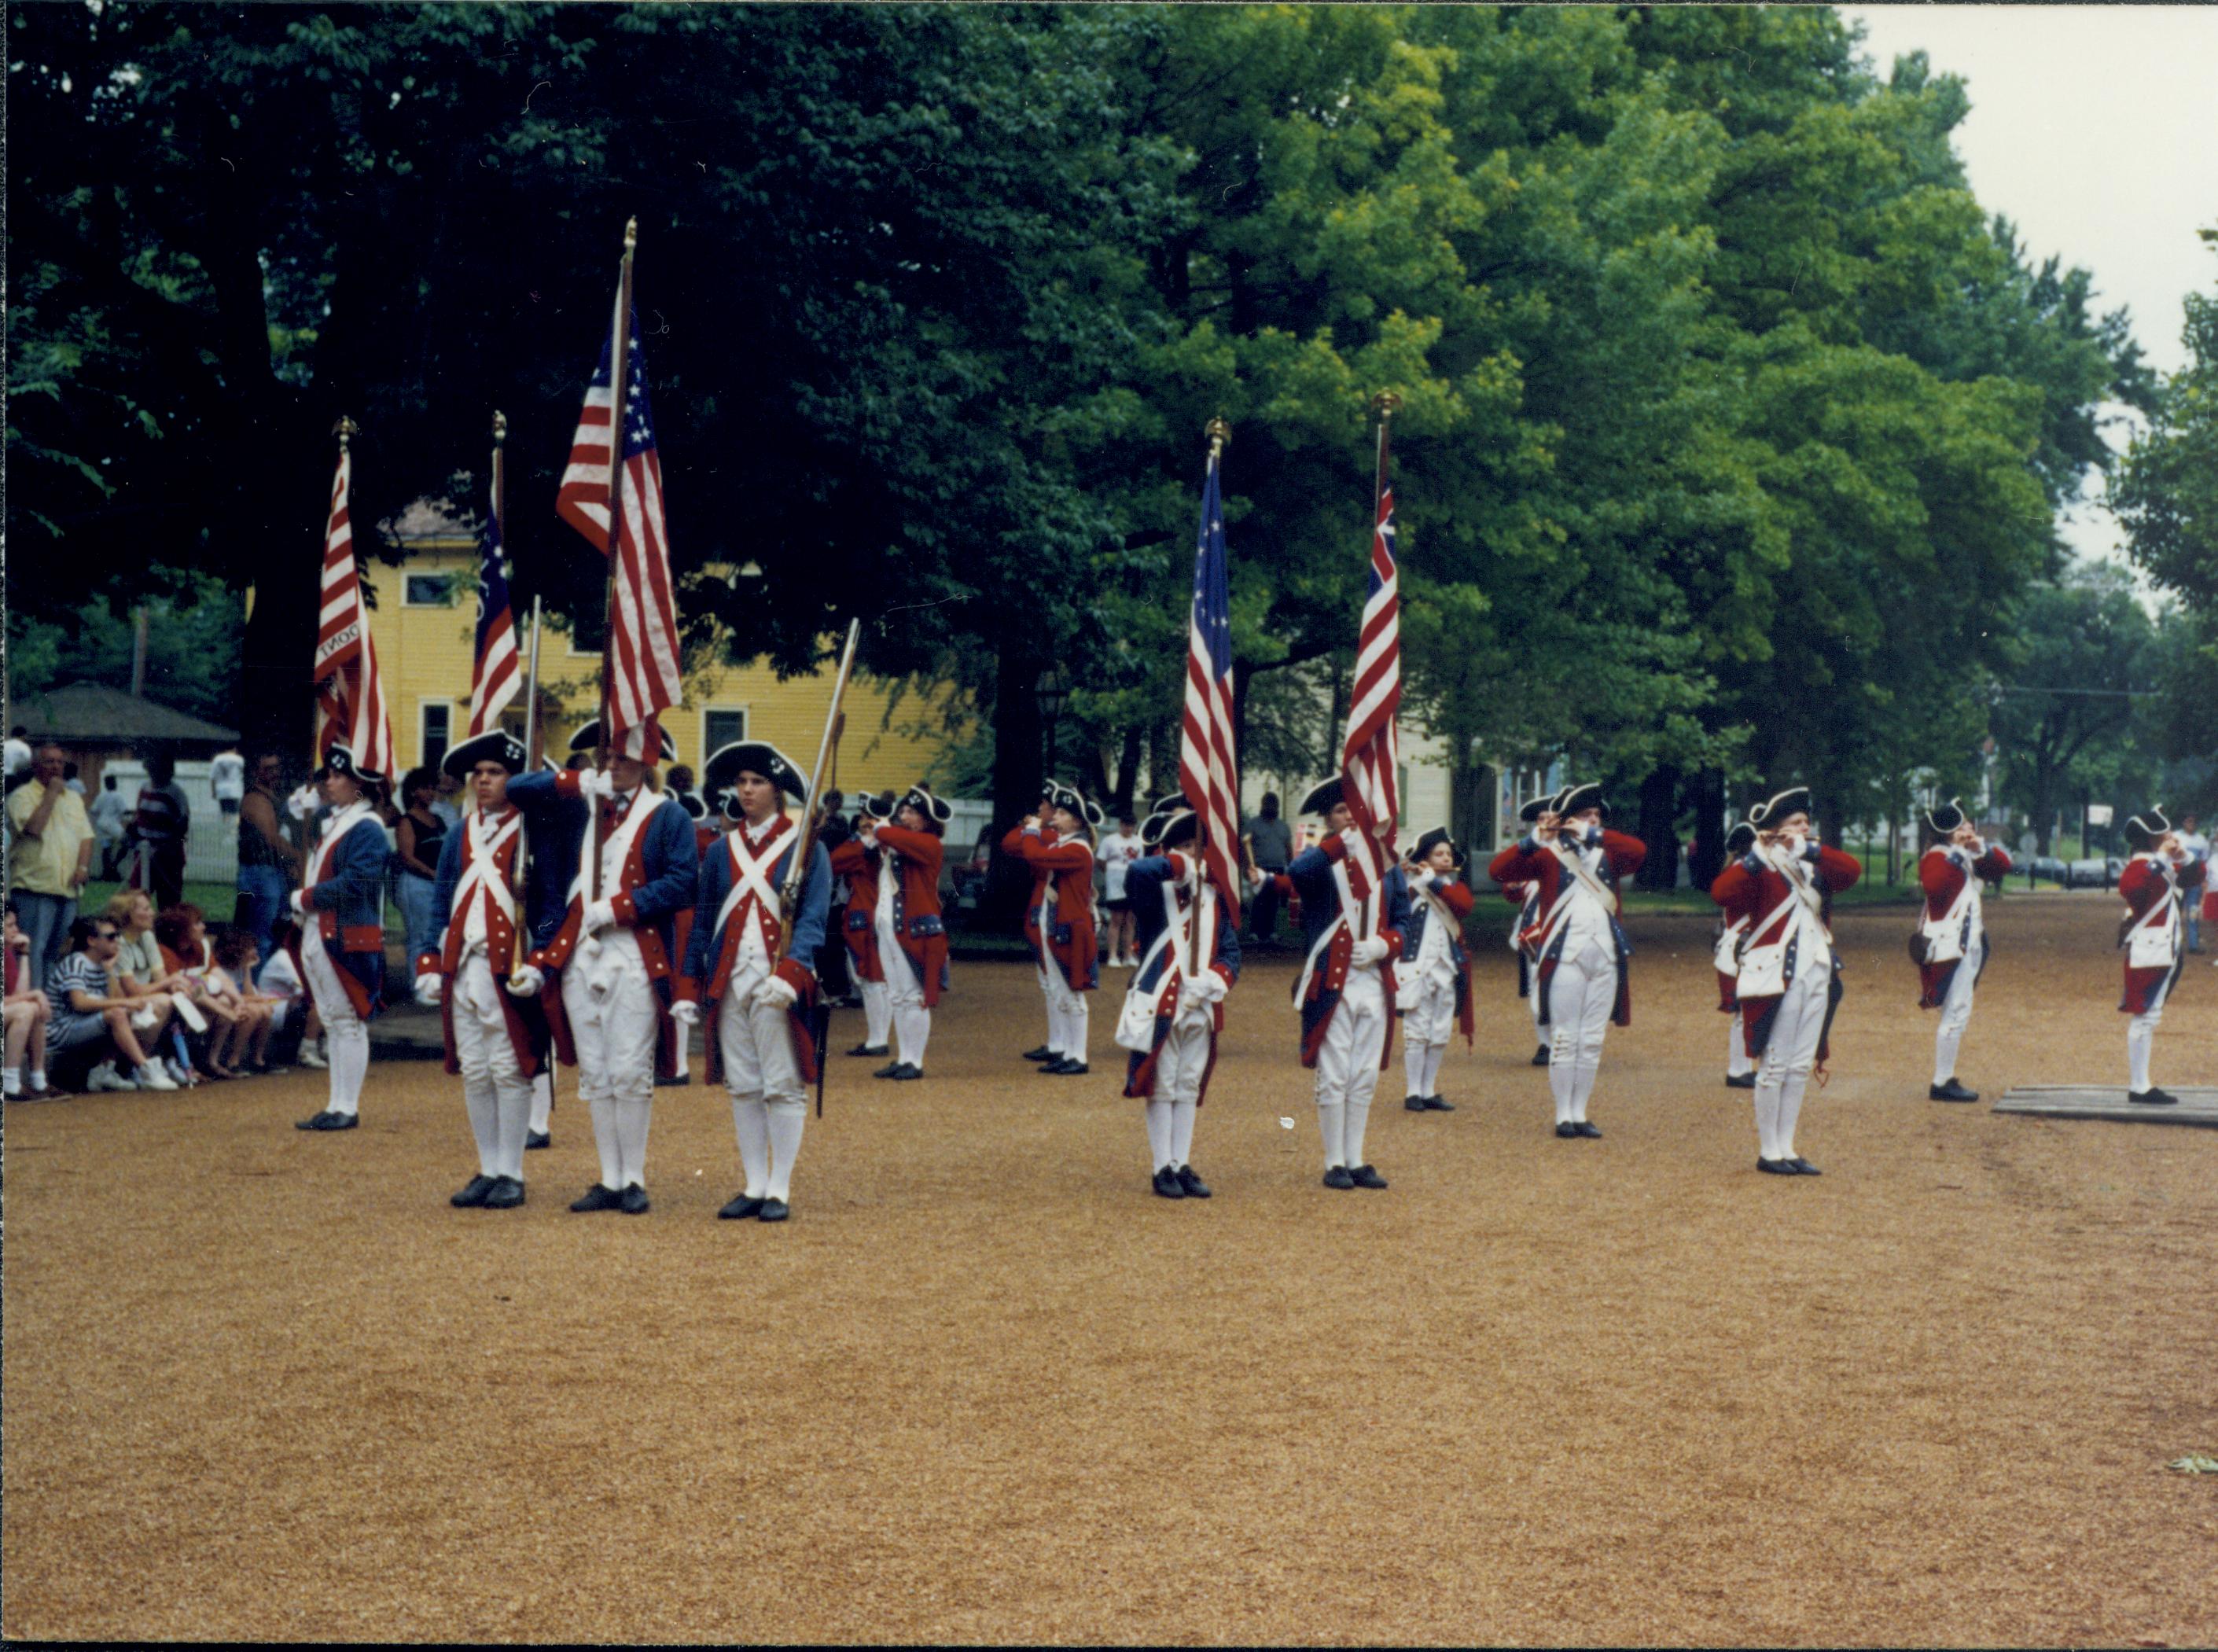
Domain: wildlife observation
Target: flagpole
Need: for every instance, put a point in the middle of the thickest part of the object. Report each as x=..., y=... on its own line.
x=1387, y=403
x=619, y=359
x=1220, y=434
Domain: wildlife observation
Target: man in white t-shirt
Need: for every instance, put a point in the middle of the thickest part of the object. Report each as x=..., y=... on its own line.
x=2195, y=877
x=227, y=779
x=1118, y=850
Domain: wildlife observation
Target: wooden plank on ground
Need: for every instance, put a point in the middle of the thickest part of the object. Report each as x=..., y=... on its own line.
x=2199, y=1104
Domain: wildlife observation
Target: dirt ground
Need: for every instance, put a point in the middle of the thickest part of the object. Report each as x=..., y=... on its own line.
x=984, y=1387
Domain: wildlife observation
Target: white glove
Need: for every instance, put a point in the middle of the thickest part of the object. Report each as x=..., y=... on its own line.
x=686, y=1013
x=299, y=902
x=598, y=915
x=776, y=994
x=596, y=782
x=1209, y=985
x=1369, y=949
x=527, y=982
x=428, y=989
x=1194, y=1003
x=870, y=838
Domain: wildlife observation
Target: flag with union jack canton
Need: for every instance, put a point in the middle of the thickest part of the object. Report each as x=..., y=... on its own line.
x=497, y=676
x=1370, y=761
x=1209, y=773
x=643, y=667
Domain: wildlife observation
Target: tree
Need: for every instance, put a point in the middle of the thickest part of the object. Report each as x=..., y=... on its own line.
x=2166, y=494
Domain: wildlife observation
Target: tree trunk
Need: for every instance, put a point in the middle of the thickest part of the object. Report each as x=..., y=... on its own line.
x=1017, y=733
x=1709, y=858
x=1128, y=772
x=1659, y=829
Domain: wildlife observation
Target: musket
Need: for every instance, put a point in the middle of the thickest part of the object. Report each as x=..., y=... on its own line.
x=812, y=821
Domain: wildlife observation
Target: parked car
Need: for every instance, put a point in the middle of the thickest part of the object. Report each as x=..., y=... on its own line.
x=2046, y=866
x=2098, y=872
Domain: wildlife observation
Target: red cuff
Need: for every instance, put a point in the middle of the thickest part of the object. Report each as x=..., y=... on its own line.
x=798, y=976
x=430, y=964
x=1220, y=970
x=626, y=910
x=566, y=783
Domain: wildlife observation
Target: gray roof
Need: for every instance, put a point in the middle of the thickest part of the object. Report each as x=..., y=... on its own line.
x=93, y=714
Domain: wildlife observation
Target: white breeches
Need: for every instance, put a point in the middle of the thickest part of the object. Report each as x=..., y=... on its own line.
x=2141, y=1044
x=770, y=1108
x=1957, y=1011
x=1428, y=1025
x=346, y=1038
x=543, y=1098
x=1788, y=1056
x=1066, y=1013
x=878, y=1012
x=1180, y=1065
x=1533, y=1001
x=610, y=1004
x=495, y=1092
x=905, y=994
x=1581, y=995
x=1348, y=1067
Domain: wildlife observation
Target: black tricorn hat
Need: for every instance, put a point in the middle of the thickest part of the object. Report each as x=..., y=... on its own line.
x=877, y=806
x=1537, y=807
x=1572, y=799
x=338, y=759
x=588, y=737
x=2149, y=828
x=691, y=803
x=1061, y=797
x=1795, y=799
x=1168, y=828
x=936, y=812
x=719, y=777
x=1426, y=842
x=1741, y=839
x=1170, y=803
x=494, y=746
x=1321, y=797
x=1945, y=818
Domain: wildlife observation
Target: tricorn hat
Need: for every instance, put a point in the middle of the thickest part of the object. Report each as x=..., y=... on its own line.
x=588, y=737
x=2149, y=828
x=877, y=806
x=1429, y=841
x=1536, y=807
x=1169, y=828
x=1741, y=839
x=1061, y=797
x=339, y=759
x=494, y=746
x=1572, y=799
x=719, y=779
x=691, y=803
x=1945, y=818
x=937, y=812
x=1795, y=799
x=1321, y=797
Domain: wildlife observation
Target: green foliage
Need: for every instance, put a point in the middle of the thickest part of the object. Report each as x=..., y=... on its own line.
x=192, y=644
x=2166, y=494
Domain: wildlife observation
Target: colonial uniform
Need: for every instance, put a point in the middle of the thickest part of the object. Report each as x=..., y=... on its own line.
x=858, y=865
x=1059, y=924
x=2153, y=938
x=1953, y=934
x=912, y=934
x=616, y=957
x=1734, y=918
x=1353, y=912
x=496, y=1039
x=1581, y=954
x=1525, y=896
x=341, y=905
x=760, y=996
x=672, y=1063
x=1433, y=984
x=1789, y=981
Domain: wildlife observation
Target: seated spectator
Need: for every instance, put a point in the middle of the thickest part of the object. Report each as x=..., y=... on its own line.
x=88, y=1015
x=233, y=960
x=139, y=972
x=232, y=1023
x=279, y=985
x=28, y=1014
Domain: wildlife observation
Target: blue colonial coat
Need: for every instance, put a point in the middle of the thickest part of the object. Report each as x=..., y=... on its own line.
x=1330, y=945
x=712, y=951
x=547, y=874
x=347, y=902
x=1144, y=881
x=658, y=881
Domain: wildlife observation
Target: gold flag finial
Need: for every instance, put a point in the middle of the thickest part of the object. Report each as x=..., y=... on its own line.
x=631, y=235
x=499, y=426
x=1388, y=403
x=1219, y=434
x=345, y=429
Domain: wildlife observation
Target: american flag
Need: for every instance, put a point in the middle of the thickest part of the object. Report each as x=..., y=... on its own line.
x=348, y=689
x=498, y=676
x=1370, y=761
x=643, y=667
x=1208, y=774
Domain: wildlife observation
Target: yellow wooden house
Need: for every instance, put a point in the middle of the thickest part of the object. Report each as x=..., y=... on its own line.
x=423, y=624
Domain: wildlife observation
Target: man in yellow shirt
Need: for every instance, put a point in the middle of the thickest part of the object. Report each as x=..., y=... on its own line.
x=50, y=859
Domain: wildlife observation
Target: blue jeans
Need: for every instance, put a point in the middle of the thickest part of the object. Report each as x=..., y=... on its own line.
x=46, y=920
x=414, y=895
x=265, y=889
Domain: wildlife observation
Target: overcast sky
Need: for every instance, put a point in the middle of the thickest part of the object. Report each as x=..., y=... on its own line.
x=2095, y=130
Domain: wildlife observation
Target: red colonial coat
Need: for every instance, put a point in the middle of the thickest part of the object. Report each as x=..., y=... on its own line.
x=917, y=856
x=1762, y=892
x=1541, y=868
x=860, y=924
x=1068, y=863
x=2144, y=883
x=1943, y=880
x=1738, y=901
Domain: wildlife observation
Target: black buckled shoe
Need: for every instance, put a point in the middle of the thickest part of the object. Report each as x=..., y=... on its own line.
x=1587, y=1129
x=1166, y=1185
x=316, y=1122
x=336, y=1121
x=1541, y=1056
x=474, y=1193
x=1437, y=1104
x=1804, y=1167
x=537, y=1139
x=1364, y=1176
x=1042, y=1053
x=905, y=1070
x=2151, y=1097
x=598, y=1198
x=1777, y=1166
x=633, y=1201
x=1338, y=1177
x=1195, y=1187
x=1951, y=1091
x=1740, y=1081
x=505, y=1194
x=1415, y=1103
x=1067, y=1068
x=891, y=1070
x=868, y=1049
x=742, y=1206
x=1568, y=1131
x=775, y=1211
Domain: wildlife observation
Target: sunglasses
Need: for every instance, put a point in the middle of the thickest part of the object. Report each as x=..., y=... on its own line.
x=103, y=935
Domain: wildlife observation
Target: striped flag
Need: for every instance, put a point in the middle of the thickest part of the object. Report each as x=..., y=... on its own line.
x=642, y=665
x=497, y=677
x=1370, y=761
x=348, y=689
x=1209, y=772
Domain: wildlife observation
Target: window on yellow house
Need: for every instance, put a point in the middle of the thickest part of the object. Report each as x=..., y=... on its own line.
x=720, y=726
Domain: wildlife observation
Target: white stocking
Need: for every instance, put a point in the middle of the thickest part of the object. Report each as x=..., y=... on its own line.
x=877, y=1013
x=1181, y=1131
x=751, y=1123
x=348, y=1047
x=1159, y=1133
x=633, y=1113
x=787, y=1121
x=1332, y=1120
x=1738, y=1066
x=1358, y=1115
x=2141, y=1041
x=543, y=1098
x=912, y=1027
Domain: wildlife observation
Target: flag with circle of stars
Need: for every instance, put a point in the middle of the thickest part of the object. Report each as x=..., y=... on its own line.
x=1208, y=774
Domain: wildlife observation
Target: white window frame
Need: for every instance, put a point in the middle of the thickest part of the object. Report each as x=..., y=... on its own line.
x=422, y=735
x=743, y=712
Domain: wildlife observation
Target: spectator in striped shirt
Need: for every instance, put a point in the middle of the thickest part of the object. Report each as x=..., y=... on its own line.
x=87, y=1009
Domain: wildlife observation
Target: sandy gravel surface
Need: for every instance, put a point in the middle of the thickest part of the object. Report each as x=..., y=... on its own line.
x=984, y=1387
